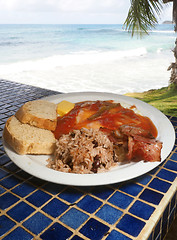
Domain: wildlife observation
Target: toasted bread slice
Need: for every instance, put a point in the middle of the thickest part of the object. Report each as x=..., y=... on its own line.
x=27, y=139
x=38, y=113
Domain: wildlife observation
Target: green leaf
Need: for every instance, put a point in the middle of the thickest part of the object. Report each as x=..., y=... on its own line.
x=142, y=16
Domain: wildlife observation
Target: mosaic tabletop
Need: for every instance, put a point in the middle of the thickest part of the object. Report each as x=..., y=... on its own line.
x=31, y=208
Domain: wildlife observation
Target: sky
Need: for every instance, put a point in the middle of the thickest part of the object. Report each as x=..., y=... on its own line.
x=68, y=11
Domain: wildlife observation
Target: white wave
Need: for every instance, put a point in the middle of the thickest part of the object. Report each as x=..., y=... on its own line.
x=79, y=58
x=159, y=50
x=127, y=75
x=163, y=31
x=103, y=30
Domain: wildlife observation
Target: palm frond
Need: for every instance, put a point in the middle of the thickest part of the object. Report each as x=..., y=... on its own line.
x=142, y=16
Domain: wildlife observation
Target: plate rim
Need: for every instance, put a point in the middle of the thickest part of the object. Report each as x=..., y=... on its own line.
x=108, y=177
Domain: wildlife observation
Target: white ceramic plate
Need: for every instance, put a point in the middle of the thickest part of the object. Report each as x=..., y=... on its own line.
x=36, y=165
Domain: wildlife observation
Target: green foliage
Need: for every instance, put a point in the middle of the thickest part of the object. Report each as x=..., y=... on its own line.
x=142, y=16
x=164, y=99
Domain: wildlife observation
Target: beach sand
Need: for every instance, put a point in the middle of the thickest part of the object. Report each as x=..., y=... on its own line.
x=133, y=74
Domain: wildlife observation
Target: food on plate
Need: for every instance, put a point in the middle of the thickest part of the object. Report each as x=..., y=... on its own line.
x=29, y=130
x=80, y=148
x=38, y=113
x=141, y=144
x=83, y=151
x=27, y=139
x=102, y=114
x=64, y=107
x=83, y=137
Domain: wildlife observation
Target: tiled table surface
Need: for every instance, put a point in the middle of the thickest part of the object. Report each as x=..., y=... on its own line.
x=32, y=208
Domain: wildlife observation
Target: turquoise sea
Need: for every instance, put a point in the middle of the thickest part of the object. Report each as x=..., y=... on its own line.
x=98, y=57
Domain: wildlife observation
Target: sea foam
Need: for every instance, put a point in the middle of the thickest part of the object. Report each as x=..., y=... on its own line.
x=95, y=57
x=118, y=75
x=63, y=60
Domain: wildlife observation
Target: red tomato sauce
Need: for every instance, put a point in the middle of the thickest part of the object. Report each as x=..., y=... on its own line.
x=105, y=114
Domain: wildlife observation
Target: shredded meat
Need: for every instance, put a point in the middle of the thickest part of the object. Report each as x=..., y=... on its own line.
x=97, y=150
x=83, y=151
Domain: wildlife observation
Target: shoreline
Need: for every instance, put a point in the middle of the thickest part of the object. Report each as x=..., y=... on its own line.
x=134, y=74
x=101, y=58
x=164, y=99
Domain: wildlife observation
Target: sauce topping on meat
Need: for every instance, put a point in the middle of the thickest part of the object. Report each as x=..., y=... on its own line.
x=102, y=114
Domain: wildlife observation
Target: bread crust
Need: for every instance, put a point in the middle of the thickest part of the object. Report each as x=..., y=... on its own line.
x=12, y=141
x=24, y=116
x=23, y=147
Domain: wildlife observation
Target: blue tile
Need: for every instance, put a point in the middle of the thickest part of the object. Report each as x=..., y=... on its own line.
x=2, y=190
x=4, y=159
x=3, y=173
x=159, y=237
x=77, y=238
x=7, y=200
x=157, y=229
x=166, y=212
x=23, y=189
x=2, y=116
x=53, y=188
x=109, y=214
x=114, y=235
x=142, y=210
x=164, y=231
x=20, y=211
x=144, y=179
x=23, y=174
x=37, y=223
x=55, y=207
x=160, y=185
x=18, y=234
x=121, y=200
x=171, y=218
x=102, y=192
x=70, y=195
x=89, y=204
x=74, y=218
x=153, y=172
x=56, y=231
x=131, y=188
x=174, y=157
x=94, y=229
x=85, y=189
x=167, y=175
x=38, y=198
x=6, y=224
x=173, y=120
x=115, y=185
x=11, y=167
x=151, y=196
x=165, y=221
x=131, y=225
x=171, y=165
x=36, y=181
x=173, y=202
x=151, y=236
x=10, y=182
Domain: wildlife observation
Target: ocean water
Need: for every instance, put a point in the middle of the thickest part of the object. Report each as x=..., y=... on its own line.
x=72, y=58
